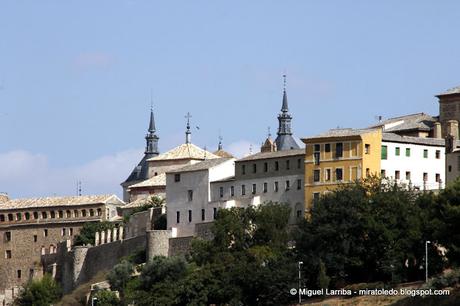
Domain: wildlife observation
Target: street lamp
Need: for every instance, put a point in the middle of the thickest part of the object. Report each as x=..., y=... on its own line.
x=92, y=301
x=426, y=260
x=300, y=296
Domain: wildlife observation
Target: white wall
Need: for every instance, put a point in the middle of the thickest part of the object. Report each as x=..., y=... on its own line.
x=199, y=183
x=416, y=164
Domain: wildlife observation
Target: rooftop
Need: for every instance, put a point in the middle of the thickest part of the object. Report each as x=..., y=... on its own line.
x=157, y=180
x=204, y=165
x=266, y=155
x=185, y=151
x=451, y=91
x=418, y=121
x=392, y=137
x=223, y=153
x=59, y=201
x=345, y=132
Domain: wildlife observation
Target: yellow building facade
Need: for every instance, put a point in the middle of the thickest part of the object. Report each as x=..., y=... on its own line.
x=337, y=157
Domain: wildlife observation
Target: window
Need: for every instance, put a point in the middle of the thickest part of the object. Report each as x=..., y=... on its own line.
x=63, y=232
x=288, y=165
x=408, y=152
x=327, y=147
x=338, y=174
x=275, y=187
x=397, y=175
x=177, y=177
x=254, y=168
x=18, y=216
x=243, y=169
x=438, y=154
x=299, y=213
x=425, y=153
x=299, y=163
x=35, y=238
x=83, y=213
x=203, y=215
x=368, y=172
x=254, y=188
x=91, y=212
x=450, y=168
x=61, y=214
x=190, y=195
x=7, y=236
x=99, y=213
x=316, y=175
x=265, y=187
x=384, y=152
x=35, y=215
x=317, y=147
x=221, y=192
x=44, y=215
x=177, y=216
x=45, y=232
x=8, y=254
x=214, y=213
x=10, y=217
x=299, y=184
x=288, y=185
x=327, y=175
x=277, y=166
x=383, y=173
x=397, y=151
x=31, y=273
x=19, y=273
x=27, y=216
x=265, y=167
x=316, y=157
x=2, y=218
x=43, y=250
x=353, y=149
x=243, y=190
x=339, y=149
x=315, y=196
x=367, y=149
x=408, y=175
x=189, y=215
x=232, y=191
x=438, y=178
x=425, y=176
x=70, y=231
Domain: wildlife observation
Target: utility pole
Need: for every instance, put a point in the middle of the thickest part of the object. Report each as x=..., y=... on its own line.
x=300, y=279
x=426, y=260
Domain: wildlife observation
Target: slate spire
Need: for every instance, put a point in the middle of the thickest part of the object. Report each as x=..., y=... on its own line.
x=285, y=141
x=188, y=133
x=151, y=138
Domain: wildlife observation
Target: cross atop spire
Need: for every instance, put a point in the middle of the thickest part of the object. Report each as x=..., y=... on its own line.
x=188, y=132
x=219, y=146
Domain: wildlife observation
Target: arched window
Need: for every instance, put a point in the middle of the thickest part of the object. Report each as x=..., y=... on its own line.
x=52, y=214
x=52, y=249
x=35, y=215
x=99, y=212
x=61, y=214
x=83, y=213
x=44, y=215
x=68, y=214
x=18, y=217
x=2, y=218
x=10, y=217
x=75, y=213
x=27, y=215
x=91, y=212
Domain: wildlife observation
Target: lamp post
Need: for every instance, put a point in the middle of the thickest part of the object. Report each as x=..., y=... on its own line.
x=92, y=301
x=426, y=260
x=300, y=296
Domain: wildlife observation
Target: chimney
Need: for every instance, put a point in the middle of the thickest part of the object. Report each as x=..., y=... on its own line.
x=4, y=197
x=437, y=130
x=452, y=128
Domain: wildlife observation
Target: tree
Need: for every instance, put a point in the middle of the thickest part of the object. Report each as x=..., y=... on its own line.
x=87, y=233
x=119, y=276
x=106, y=298
x=42, y=292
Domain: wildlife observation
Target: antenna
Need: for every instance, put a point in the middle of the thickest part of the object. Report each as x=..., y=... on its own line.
x=151, y=99
x=284, y=80
x=79, y=188
x=205, y=152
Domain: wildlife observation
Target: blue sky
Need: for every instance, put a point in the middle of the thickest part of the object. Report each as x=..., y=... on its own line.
x=76, y=76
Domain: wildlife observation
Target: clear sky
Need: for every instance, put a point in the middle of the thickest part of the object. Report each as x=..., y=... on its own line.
x=76, y=76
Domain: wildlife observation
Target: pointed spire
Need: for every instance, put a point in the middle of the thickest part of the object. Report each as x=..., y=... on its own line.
x=151, y=139
x=152, y=128
x=284, y=107
x=219, y=146
x=188, y=132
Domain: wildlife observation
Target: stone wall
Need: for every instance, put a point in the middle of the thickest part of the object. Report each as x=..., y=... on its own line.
x=158, y=243
x=179, y=246
x=203, y=230
x=83, y=262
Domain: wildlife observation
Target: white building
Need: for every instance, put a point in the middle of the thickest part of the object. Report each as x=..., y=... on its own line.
x=263, y=177
x=188, y=193
x=414, y=160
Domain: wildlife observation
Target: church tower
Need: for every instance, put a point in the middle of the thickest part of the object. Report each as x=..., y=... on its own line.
x=285, y=141
x=151, y=138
